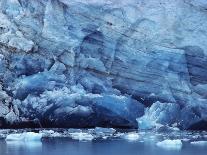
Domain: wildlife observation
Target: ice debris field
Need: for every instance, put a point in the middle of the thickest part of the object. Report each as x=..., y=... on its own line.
x=173, y=140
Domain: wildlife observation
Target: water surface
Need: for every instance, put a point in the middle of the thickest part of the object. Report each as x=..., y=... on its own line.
x=114, y=145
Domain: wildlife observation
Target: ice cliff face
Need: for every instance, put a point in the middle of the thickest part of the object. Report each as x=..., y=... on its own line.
x=81, y=63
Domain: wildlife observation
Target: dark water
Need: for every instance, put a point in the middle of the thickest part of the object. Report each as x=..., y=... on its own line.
x=64, y=146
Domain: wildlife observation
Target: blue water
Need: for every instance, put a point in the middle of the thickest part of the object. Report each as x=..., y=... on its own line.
x=109, y=147
x=146, y=145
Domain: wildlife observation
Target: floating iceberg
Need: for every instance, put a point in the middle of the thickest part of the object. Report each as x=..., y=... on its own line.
x=104, y=131
x=81, y=136
x=72, y=130
x=170, y=144
x=26, y=136
x=51, y=133
x=131, y=136
x=199, y=143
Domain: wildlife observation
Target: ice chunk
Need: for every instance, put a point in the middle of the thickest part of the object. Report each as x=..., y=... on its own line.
x=199, y=143
x=72, y=130
x=50, y=133
x=104, y=130
x=159, y=114
x=131, y=136
x=81, y=136
x=170, y=144
x=26, y=136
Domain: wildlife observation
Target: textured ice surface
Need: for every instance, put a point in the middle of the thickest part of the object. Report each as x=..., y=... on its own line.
x=75, y=107
x=159, y=114
x=170, y=144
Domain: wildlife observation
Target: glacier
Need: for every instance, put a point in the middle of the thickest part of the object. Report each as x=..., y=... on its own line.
x=79, y=63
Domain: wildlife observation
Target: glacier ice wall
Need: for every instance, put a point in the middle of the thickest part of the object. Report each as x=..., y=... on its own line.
x=79, y=63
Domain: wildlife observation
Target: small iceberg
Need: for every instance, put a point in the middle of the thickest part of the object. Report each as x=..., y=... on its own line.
x=170, y=144
x=82, y=136
x=199, y=143
x=26, y=136
x=103, y=132
x=131, y=136
x=50, y=134
x=108, y=131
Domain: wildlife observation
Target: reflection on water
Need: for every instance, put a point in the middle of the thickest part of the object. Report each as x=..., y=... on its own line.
x=114, y=147
x=142, y=144
x=18, y=147
x=22, y=144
